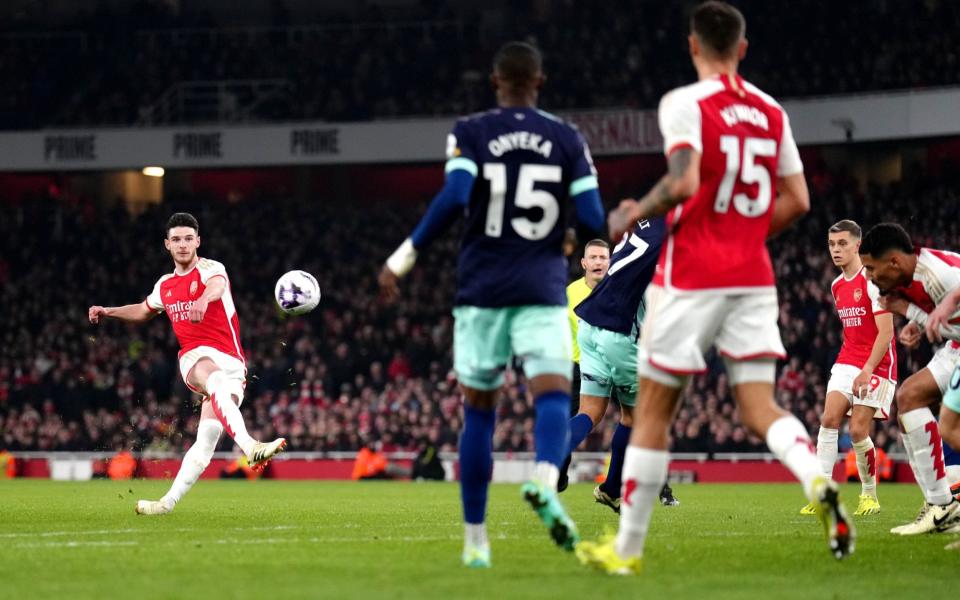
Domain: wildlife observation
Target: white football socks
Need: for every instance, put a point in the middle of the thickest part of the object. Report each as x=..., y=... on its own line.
x=790, y=443
x=827, y=449
x=867, y=466
x=644, y=473
x=221, y=389
x=547, y=474
x=195, y=461
x=921, y=436
x=475, y=534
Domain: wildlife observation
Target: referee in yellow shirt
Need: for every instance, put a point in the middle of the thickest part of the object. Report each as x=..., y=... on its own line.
x=595, y=262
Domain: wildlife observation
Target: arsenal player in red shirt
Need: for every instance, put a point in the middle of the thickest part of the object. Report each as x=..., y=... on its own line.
x=198, y=301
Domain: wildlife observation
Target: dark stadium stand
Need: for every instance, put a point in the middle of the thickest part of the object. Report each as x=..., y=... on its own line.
x=353, y=370
x=148, y=66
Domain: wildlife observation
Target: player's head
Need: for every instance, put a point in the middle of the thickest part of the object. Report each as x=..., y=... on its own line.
x=595, y=261
x=843, y=240
x=517, y=73
x=717, y=32
x=888, y=257
x=182, y=238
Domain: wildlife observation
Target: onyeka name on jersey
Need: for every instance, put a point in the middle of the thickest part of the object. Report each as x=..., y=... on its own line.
x=851, y=316
x=178, y=311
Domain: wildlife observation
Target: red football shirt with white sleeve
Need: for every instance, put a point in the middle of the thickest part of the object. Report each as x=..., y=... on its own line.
x=717, y=237
x=175, y=294
x=937, y=274
x=858, y=303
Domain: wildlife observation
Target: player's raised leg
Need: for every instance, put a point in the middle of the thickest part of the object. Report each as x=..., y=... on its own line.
x=787, y=438
x=195, y=461
x=226, y=395
x=541, y=335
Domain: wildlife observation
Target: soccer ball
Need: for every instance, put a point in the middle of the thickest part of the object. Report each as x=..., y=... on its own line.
x=297, y=292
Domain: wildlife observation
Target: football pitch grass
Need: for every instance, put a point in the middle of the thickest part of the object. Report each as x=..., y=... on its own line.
x=269, y=539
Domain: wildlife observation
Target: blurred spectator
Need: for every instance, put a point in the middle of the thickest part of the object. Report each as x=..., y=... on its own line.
x=122, y=465
x=418, y=62
x=354, y=368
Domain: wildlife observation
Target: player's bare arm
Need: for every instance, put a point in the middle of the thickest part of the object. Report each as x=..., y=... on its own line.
x=389, y=284
x=215, y=288
x=881, y=346
x=895, y=303
x=131, y=313
x=792, y=203
x=910, y=336
x=680, y=182
x=941, y=315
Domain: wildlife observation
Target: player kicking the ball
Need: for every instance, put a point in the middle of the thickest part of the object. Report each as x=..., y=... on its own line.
x=730, y=151
x=863, y=380
x=198, y=302
x=513, y=171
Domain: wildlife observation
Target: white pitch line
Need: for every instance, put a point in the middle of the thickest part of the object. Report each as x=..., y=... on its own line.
x=74, y=544
x=113, y=531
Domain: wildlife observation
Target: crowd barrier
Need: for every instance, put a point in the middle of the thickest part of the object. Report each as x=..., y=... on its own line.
x=508, y=467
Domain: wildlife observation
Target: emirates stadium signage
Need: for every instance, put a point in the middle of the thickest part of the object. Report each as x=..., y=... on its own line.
x=614, y=132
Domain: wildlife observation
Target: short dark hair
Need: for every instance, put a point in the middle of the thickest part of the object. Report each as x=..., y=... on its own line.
x=597, y=242
x=181, y=220
x=719, y=26
x=518, y=62
x=847, y=225
x=885, y=237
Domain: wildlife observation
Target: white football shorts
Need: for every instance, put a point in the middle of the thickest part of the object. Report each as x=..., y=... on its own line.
x=233, y=367
x=680, y=327
x=879, y=396
x=941, y=366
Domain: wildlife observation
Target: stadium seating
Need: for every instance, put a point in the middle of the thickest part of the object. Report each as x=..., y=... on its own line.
x=353, y=370
x=115, y=68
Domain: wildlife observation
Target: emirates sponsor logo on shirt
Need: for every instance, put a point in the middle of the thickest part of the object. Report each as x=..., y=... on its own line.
x=852, y=316
x=178, y=311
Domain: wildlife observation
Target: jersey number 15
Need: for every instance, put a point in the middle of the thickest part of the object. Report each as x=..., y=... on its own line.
x=524, y=197
x=748, y=171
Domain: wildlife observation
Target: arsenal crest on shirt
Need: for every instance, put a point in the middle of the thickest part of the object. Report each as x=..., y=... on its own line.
x=193, y=288
x=857, y=294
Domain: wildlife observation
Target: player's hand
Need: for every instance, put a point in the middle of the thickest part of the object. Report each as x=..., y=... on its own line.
x=895, y=303
x=198, y=309
x=389, y=284
x=910, y=335
x=95, y=313
x=861, y=383
x=569, y=241
x=940, y=317
x=622, y=218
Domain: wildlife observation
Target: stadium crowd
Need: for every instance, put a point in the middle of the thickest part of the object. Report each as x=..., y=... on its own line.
x=428, y=58
x=355, y=371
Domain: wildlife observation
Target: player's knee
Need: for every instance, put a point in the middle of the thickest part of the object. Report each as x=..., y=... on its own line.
x=479, y=399
x=829, y=421
x=859, y=431
x=909, y=397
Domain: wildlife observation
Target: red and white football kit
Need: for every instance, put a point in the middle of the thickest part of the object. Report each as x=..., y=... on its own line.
x=858, y=303
x=217, y=336
x=937, y=274
x=714, y=284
